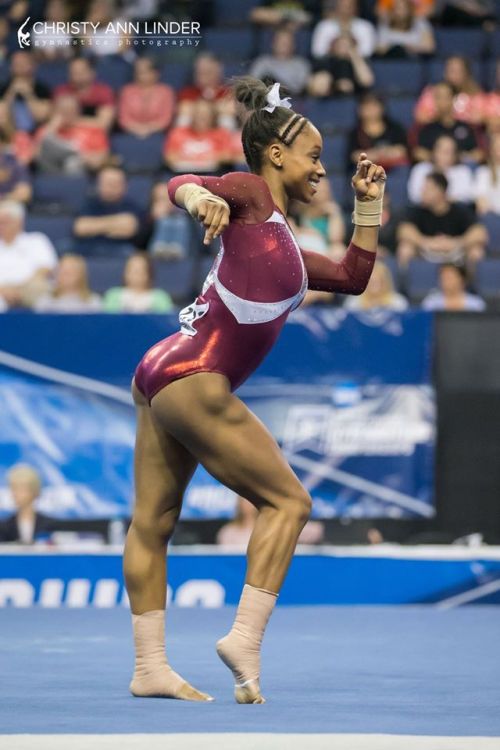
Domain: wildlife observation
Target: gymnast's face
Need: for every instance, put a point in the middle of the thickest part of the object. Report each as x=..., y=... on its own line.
x=300, y=165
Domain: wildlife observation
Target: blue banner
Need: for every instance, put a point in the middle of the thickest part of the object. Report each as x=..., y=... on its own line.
x=449, y=578
x=348, y=397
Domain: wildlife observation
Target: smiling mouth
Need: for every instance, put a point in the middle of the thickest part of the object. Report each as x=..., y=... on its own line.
x=314, y=184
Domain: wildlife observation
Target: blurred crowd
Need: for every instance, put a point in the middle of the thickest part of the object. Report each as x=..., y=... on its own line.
x=90, y=136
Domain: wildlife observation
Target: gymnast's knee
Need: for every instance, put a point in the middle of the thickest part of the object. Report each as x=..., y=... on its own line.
x=153, y=527
x=297, y=506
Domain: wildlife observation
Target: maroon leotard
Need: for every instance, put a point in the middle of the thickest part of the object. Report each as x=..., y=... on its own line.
x=258, y=277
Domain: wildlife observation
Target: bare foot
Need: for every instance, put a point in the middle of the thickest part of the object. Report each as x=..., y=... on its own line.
x=165, y=683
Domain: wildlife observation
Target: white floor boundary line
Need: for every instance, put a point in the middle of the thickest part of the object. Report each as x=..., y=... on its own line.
x=257, y=741
x=470, y=596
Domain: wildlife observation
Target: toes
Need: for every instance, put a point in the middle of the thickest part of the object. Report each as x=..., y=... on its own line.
x=189, y=693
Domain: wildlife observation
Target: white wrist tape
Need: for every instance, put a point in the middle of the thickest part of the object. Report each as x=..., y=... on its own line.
x=193, y=194
x=368, y=213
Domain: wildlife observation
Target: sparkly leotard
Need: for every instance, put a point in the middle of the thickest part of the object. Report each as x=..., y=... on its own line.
x=258, y=277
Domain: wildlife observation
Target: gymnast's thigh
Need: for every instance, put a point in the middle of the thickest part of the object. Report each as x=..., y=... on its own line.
x=162, y=466
x=222, y=434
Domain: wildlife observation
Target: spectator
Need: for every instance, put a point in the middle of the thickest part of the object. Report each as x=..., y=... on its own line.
x=283, y=64
x=439, y=230
x=109, y=221
x=96, y=100
x=487, y=180
x=339, y=17
x=320, y=224
x=379, y=293
x=67, y=144
x=444, y=159
x=387, y=235
x=446, y=123
x=382, y=139
x=403, y=33
x=452, y=294
x=15, y=184
x=4, y=39
x=171, y=229
x=202, y=147
x=27, y=259
x=492, y=103
x=137, y=294
x=208, y=84
x=467, y=12
x=237, y=533
x=468, y=97
x=71, y=293
x=26, y=524
x=276, y=13
x=56, y=45
x=105, y=42
x=342, y=71
x=146, y=106
x=27, y=100
x=21, y=142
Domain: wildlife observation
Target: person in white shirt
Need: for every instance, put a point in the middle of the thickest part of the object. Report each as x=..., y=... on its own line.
x=444, y=159
x=452, y=294
x=487, y=180
x=340, y=17
x=27, y=259
x=283, y=64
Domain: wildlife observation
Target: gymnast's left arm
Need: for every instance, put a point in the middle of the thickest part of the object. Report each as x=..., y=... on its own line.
x=352, y=273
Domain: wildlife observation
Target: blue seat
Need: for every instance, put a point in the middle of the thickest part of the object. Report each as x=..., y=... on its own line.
x=139, y=190
x=490, y=71
x=334, y=154
x=139, y=154
x=204, y=266
x=421, y=278
x=60, y=193
x=435, y=70
x=59, y=230
x=52, y=74
x=492, y=223
x=398, y=76
x=176, y=74
x=401, y=109
x=398, y=186
x=340, y=188
x=487, y=281
x=114, y=70
x=331, y=115
x=392, y=264
x=177, y=277
x=231, y=12
x=105, y=273
x=230, y=43
x=463, y=41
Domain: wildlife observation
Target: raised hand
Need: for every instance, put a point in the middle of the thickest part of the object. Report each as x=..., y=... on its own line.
x=369, y=180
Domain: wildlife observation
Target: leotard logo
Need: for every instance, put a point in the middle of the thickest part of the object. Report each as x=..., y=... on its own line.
x=189, y=315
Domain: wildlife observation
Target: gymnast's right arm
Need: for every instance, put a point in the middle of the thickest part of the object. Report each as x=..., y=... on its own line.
x=215, y=201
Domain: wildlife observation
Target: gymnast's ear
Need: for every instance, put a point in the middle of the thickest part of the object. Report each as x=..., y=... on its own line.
x=275, y=155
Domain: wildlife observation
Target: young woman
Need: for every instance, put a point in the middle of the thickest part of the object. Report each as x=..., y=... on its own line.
x=137, y=295
x=183, y=387
x=71, y=292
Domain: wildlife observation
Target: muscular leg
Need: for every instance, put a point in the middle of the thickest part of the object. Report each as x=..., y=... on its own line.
x=162, y=470
x=236, y=448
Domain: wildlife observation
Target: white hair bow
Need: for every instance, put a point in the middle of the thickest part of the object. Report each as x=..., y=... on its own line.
x=273, y=99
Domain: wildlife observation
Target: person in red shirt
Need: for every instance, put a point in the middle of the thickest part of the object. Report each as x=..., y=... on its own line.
x=96, y=99
x=201, y=147
x=208, y=84
x=68, y=143
x=146, y=106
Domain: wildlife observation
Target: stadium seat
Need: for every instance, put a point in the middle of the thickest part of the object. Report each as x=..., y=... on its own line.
x=59, y=193
x=177, y=277
x=230, y=43
x=176, y=74
x=401, y=109
x=487, y=281
x=490, y=71
x=421, y=278
x=464, y=41
x=231, y=12
x=392, y=264
x=334, y=154
x=114, y=70
x=59, y=229
x=435, y=70
x=330, y=115
x=202, y=272
x=139, y=154
x=105, y=273
x=398, y=186
x=340, y=188
x=139, y=190
x=398, y=76
x=492, y=223
x=52, y=74
x=4, y=70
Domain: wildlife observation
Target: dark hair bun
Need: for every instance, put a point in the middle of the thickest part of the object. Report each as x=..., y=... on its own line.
x=251, y=92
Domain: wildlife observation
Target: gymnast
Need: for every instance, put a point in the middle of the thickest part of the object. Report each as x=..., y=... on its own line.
x=183, y=388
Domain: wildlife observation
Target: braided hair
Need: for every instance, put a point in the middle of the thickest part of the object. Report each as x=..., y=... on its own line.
x=261, y=127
